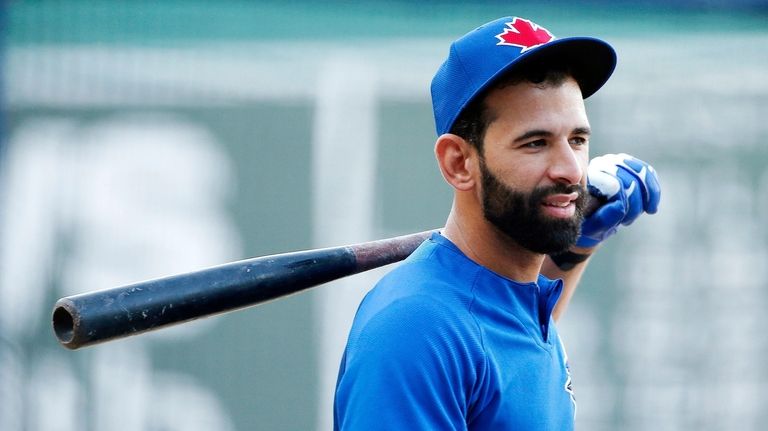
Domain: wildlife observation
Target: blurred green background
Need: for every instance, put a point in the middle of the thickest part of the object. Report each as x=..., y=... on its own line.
x=143, y=139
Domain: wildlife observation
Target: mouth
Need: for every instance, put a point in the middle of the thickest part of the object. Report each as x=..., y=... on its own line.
x=560, y=205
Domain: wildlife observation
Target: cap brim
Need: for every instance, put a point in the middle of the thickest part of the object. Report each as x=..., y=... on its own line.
x=592, y=61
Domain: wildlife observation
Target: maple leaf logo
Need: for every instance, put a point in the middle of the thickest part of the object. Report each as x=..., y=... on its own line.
x=524, y=34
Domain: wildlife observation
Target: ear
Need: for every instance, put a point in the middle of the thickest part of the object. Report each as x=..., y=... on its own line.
x=457, y=161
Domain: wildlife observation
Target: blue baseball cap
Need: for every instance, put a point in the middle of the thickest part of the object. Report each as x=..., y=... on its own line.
x=479, y=57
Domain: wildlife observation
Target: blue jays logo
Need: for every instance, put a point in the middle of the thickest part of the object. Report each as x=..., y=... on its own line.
x=524, y=34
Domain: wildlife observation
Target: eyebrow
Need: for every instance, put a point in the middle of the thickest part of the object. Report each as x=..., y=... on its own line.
x=582, y=131
x=545, y=133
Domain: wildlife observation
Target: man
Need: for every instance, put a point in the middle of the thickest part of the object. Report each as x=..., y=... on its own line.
x=461, y=335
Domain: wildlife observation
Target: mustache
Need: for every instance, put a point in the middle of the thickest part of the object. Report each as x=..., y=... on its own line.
x=559, y=188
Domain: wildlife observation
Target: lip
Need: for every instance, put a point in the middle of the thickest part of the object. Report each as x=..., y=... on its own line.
x=560, y=205
x=560, y=198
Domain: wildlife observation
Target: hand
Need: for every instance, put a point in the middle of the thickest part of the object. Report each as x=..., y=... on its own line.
x=627, y=185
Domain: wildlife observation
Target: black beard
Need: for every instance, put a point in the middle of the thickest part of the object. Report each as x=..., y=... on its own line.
x=518, y=215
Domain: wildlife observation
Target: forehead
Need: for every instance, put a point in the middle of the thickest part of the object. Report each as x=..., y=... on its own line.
x=524, y=105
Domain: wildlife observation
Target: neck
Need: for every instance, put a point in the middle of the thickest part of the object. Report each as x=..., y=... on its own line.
x=483, y=243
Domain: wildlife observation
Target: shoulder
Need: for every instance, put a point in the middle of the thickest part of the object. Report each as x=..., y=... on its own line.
x=417, y=308
x=411, y=346
x=419, y=292
x=414, y=354
x=433, y=275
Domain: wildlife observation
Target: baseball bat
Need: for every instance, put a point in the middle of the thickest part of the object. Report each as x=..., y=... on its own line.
x=104, y=315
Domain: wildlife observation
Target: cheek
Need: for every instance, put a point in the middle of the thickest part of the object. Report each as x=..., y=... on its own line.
x=521, y=176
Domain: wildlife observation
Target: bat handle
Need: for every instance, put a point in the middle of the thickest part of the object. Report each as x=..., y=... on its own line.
x=593, y=204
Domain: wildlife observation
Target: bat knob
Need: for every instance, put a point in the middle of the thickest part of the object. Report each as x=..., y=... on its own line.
x=64, y=324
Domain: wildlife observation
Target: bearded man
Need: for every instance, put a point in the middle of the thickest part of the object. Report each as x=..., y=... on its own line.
x=462, y=335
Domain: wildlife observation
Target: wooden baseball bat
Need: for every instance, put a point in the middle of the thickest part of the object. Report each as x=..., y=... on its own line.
x=96, y=317
x=104, y=315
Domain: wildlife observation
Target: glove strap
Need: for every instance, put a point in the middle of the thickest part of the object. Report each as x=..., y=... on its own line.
x=568, y=259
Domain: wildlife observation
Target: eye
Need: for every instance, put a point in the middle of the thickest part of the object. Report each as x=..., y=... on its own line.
x=535, y=144
x=578, y=140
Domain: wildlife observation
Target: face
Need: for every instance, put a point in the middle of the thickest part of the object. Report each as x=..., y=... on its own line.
x=533, y=168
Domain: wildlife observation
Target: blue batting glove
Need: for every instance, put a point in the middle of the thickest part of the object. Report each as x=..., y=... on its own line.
x=627, y=186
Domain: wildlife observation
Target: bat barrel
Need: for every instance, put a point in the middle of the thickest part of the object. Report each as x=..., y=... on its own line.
x=95, y=317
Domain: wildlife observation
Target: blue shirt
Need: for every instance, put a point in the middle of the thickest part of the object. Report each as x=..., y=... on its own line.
x=442, y=343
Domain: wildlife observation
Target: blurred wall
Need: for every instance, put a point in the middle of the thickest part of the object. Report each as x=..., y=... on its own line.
x=145, y=139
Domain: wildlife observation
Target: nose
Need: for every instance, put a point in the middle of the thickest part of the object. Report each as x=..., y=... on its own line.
x=567, y=164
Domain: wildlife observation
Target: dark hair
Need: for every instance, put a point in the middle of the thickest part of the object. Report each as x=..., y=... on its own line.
x=474, y=119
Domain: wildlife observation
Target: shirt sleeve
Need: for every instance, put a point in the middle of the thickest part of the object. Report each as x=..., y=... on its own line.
x=412, y=365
